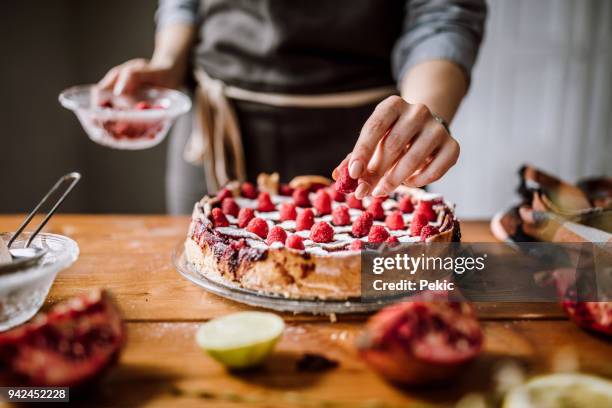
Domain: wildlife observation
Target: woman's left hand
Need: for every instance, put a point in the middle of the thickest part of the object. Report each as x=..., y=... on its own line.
x=400, y=143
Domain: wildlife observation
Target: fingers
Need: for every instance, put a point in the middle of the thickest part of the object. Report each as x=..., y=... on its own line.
x=343, y=163
x=109, y=79
x=393, y=146
x=445, y=158
x=377, y=125
x=125, y=78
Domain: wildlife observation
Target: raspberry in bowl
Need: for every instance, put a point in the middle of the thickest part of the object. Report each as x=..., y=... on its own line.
x=132, y=122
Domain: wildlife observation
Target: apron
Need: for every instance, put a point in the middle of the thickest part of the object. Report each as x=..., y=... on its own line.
x=216, y=142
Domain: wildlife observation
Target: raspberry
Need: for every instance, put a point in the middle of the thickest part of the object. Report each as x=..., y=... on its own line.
x=406, y=205
x=336, y=195
x=392, y=240
x=304, y=220
x=395, y=221
x=362, y=225
x=322, y=202
x=354, y=202
x=419, y=220
x=300, y=197
x=276, y=234
x=322, y=232
x=258, y=226
x=248, y=190
x=356, y=245
x=287, y=211
x=345, y=183
x=285, y=190
x=229, y=206
x=238, y=245
x=244, y=216
x=426, y=208
x=218, y=218
x=223, y=194
x=264, y=202
x=428, y=231
x=378, y=234
x=375, y=208
x=340, y=215
x=143, y=105
x=295, y=242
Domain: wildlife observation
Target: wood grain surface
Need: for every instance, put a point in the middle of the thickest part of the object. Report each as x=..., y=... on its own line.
x=162, y=366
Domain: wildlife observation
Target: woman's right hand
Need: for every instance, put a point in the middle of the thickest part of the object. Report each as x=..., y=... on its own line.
x=127, y=78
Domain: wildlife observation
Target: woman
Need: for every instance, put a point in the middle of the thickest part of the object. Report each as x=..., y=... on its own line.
x=293, y=86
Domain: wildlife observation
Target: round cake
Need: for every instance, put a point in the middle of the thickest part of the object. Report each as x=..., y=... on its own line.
x=303, y=240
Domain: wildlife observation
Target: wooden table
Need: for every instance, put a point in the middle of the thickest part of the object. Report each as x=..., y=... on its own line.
x=162, y=366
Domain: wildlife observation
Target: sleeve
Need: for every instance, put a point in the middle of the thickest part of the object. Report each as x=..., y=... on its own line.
x=176, y=12
x=439, y=29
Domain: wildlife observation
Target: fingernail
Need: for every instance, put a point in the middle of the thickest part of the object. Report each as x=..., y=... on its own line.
x=378, y=191
x=335, y=173
x=355, y=169
x=362, y=190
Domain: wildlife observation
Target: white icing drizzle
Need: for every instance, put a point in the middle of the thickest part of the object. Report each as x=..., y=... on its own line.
x=245, y=202
x=303, y=233
x=269, y=216
x=408, y=238
x=237, y=232
x=288, y=225
x=257, y=244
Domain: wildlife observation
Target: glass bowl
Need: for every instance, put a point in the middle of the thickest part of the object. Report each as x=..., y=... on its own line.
x=133, y=122
x=23, y=292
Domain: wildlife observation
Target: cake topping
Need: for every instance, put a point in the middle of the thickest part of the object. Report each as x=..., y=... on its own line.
x=341, y=216
x=248, y=190
x=258, y=226
x=285, y=190
x=224, y=193
x=322, y=232
x=230, y=207
x=336, y=195
x=395, y=221
x=362, y=225
x=392, y=240
x=378, y=234
x=428, y=231
x=276, y=234
x=287, y=211
x=356, y=245
x=244, y=216
x=264, y=202
x=419, y=220
x=218, y=218
x=426, y=208
x=406, y=205
x=304, y=220
x=354, y=202
x=295, y=242
x=376, y=209
x=345, y=183
x=300, y=197
x=322, y=202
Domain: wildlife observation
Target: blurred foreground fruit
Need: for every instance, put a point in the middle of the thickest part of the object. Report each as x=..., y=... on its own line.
x=421, y=341
x=69, y=346
x=241, y=340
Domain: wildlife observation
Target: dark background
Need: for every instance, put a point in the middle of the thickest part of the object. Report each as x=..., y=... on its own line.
x=47, y=46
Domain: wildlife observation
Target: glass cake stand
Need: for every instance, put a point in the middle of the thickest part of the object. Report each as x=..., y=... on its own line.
x=270, y=301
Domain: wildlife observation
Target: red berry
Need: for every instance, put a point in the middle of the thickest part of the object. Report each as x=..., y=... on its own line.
x=341, y=216
x=218, y=218
x=375, y=208
x=426, y=208
x=248, y=190
x=353, y=202
x=258, y=226
x=392, y=240
x=300, y=197
x=345, y=183
x=322, y=232
x=287, y=211
x=378, y=234
x=264, y=202
x=224, y=193
x=276, y=234
x=295, y=242
x=419, y=220
x=336, y=195
x=356, y=245
x=230, y=207
x=143, y=105
x=244, y=216
x=395, y=221
x=285, y=190
x=322, y=202
x=362, y=225
x=106, y=104
x=304, y=220
x=428, y=231
x=406, y=205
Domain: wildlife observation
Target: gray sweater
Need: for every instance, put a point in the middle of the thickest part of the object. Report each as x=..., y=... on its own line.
x=319, y=46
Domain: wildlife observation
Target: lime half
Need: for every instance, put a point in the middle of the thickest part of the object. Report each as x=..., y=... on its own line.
x=241, y=340
x=561, y=390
